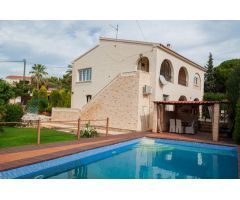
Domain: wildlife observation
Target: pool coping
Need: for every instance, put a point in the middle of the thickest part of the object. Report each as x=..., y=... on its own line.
x=33, y=160
x=117, y=139
x=60, y=163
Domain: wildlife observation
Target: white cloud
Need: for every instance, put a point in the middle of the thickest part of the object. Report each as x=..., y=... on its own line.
x=57, y=43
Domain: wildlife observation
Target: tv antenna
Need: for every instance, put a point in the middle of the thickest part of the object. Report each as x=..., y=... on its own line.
x=116, y=29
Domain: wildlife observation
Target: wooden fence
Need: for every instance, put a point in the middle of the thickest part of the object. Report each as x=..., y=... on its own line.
x=38, y=124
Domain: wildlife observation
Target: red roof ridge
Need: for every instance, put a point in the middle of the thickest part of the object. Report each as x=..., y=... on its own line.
x=17, y=77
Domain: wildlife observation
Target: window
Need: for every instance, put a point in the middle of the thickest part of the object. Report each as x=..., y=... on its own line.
x=183, y=76
x=182, y=98
x=165, y=97
x=166, y=70
x=143, y=64
x=89, y=97
x=85, y=74
x=196, y=80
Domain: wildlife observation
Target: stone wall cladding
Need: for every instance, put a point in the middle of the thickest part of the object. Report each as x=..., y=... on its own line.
x=65, y=114
x=118, y=101
x=144, y=102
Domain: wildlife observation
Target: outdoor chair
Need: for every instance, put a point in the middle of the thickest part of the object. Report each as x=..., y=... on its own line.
x=179, y=128
x=190, y=129
x=172, y=128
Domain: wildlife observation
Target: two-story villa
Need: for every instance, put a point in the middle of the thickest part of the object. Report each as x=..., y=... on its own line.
x=120, y=79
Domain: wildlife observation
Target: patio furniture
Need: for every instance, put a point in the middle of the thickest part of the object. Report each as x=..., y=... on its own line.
x=190, y=129
x=179, y=128
x=172, y=128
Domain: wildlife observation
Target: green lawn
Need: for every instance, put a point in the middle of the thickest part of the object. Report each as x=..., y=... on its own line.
x=12, y=136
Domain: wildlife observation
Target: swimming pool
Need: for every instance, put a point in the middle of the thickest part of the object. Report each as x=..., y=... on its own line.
x=143, y=158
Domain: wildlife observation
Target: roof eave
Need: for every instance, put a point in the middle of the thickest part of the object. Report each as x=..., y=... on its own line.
x=159, y=45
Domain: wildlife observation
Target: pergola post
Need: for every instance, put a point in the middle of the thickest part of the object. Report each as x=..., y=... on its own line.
x=215, y=121
x=160, y=117
x=155, y=118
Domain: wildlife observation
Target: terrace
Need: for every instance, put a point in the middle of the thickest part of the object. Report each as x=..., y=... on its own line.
x=184, y=116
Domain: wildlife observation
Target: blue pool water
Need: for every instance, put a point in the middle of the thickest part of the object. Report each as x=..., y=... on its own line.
x=142, y=158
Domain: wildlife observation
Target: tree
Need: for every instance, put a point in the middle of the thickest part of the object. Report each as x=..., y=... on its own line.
x=14, y=113
x=39, y=101
x=55, y=99
x=67, y=79
x=38, y=73
x=42, y=94
x=69, y=71
x=233, y=86
x=23, y=90
x=6, y=92
x=66, y=97
x=223, y=72
x=42, y=99
x=236, y=132
x=209, y=84
x=54, y=82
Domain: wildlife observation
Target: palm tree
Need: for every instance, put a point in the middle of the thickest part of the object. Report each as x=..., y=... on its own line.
x=38, y=72
x=69, y=71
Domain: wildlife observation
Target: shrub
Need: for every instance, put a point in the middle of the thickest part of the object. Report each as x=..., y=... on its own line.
x=35, y=94
x=39, y=101
x=88, y=132
x=6, y=92
x=66, y=98
x=13, y=113
x=2, y=112
x=42, y=94
x=59, y=98
x=32, y=106
x=55, y=99
x=236, y=132
x=210, y=96
x=42, y=105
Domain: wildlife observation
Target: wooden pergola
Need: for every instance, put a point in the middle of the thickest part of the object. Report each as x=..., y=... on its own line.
x=158, y=114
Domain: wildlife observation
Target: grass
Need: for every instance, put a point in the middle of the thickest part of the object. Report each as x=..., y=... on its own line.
x=13, y=136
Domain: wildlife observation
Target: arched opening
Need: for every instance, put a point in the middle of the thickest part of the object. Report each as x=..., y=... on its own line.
x=166, y=70
x=196, y=99
x=182, y=98
x=183, y=76
x=143, y=64
x=196, y=80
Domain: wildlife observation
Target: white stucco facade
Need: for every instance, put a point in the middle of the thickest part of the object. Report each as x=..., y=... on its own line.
x=112, y=57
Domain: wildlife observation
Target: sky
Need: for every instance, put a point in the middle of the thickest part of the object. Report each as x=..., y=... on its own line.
x=57, y=43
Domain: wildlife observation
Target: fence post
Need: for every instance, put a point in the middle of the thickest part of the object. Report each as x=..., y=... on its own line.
x=38, y=131
x=107, y=126
x=78, y=130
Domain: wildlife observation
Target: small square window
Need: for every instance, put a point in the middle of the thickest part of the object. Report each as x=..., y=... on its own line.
x=89, y=97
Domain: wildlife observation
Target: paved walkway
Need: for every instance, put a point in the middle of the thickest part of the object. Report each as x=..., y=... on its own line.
x=21, y=156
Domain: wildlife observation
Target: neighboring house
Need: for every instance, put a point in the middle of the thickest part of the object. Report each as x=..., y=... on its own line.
x=120, y=79
x=12, y=79
x=16, y=79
